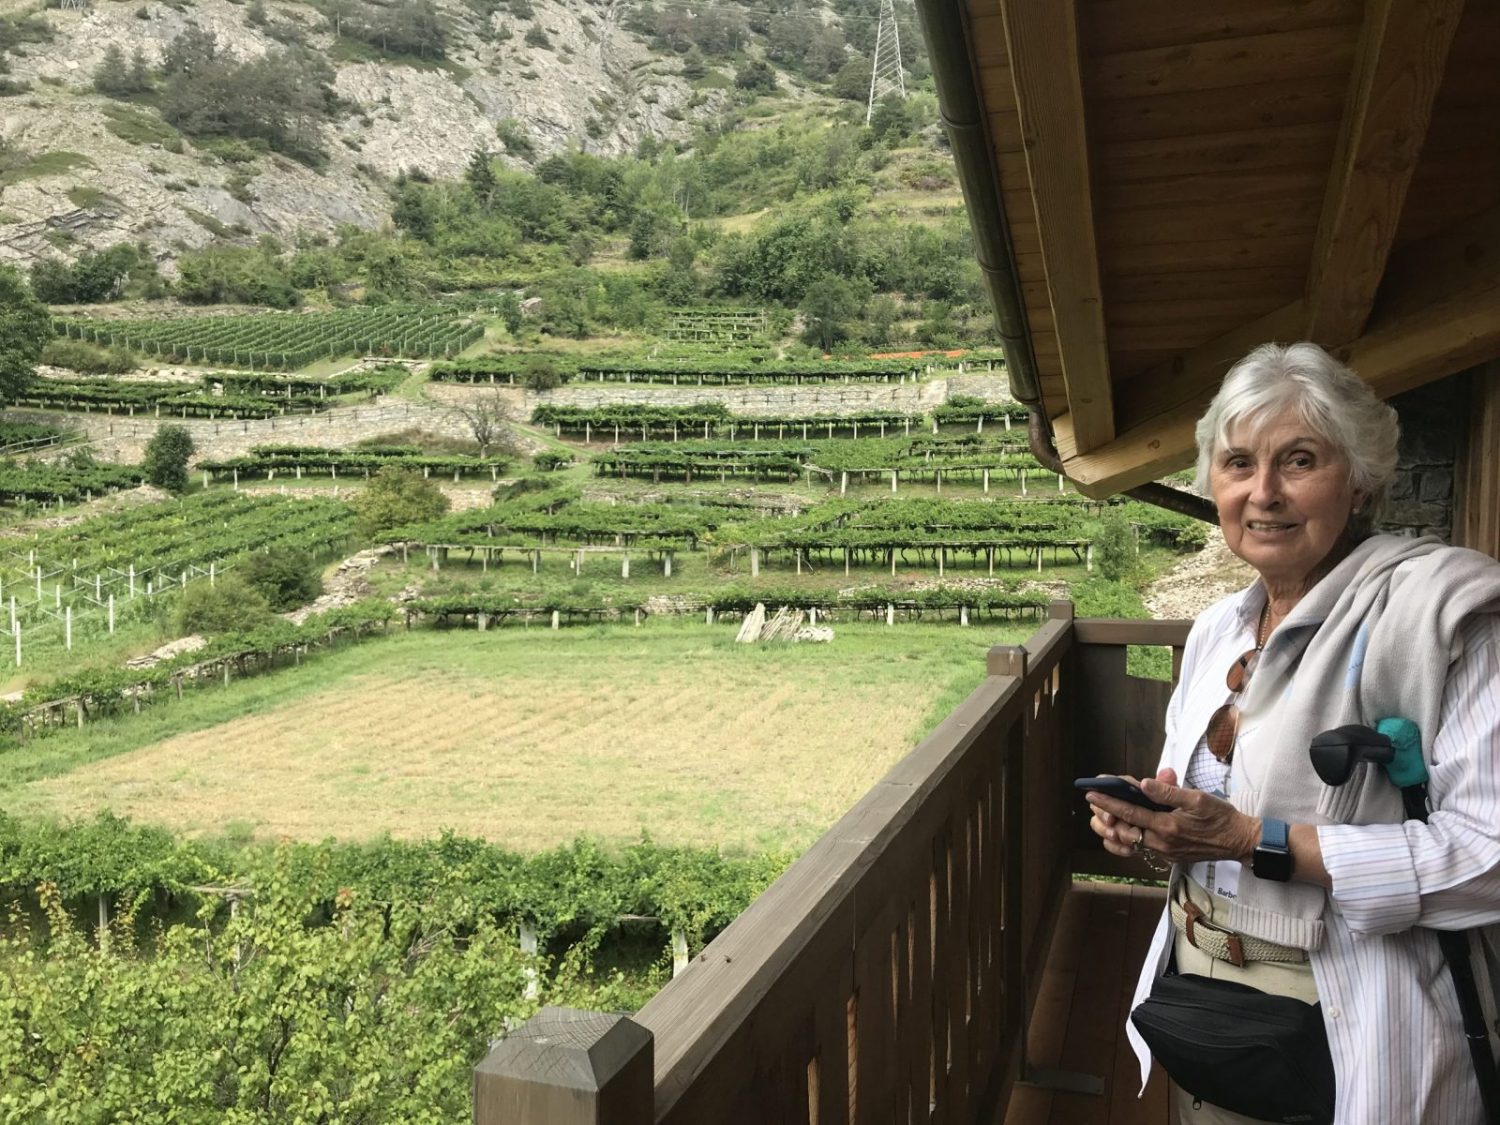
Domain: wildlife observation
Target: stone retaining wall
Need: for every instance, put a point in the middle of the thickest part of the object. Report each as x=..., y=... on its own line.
x=823, y=398
x=123, y=439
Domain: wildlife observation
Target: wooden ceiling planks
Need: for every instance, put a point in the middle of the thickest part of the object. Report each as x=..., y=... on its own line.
x=1253, y=60
x=1399, y=68
x=1041, y=40
x=1256, y=105
x=1211, y=133
x=1109, y=25
x=1458, y=175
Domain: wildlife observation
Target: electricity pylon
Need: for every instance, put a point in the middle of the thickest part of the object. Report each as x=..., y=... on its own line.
x=886, y=73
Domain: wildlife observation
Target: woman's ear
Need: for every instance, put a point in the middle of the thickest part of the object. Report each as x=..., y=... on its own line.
x=1360, y=499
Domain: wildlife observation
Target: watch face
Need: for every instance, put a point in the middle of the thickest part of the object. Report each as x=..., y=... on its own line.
x=1272, y=859
x=1272, y=863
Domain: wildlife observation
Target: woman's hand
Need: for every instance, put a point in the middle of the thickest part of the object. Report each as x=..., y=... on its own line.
x=1199, y=827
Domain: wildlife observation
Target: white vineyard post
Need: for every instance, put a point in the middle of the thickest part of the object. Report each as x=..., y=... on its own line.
x=111, y=613
x=68, y=628
x=528, y=947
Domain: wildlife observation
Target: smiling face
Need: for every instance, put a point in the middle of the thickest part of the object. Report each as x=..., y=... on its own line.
x=1284, y=498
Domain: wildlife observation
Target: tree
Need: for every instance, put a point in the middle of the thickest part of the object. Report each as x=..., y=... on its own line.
x=167, y=455
x=755, y=77
x=509, y=308
x=831, y=303
x=112, y=75
x=25, y=328
x=852, y=82
x=480, y=175
x=397, y=496
x=486, y=417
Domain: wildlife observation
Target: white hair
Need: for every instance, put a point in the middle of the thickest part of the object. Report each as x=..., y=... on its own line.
x=1334, y=402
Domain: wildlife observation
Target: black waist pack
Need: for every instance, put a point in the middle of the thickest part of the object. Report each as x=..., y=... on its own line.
x=1239, y=1048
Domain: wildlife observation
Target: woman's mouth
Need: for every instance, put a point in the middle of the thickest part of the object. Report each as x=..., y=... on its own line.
x=1268, y=526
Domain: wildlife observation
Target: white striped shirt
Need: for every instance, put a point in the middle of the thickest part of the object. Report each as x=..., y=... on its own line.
x=1388, y=1001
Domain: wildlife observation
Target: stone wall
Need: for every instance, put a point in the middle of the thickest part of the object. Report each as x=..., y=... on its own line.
x=123, y=439
x=823, y=398
x=1433, y=432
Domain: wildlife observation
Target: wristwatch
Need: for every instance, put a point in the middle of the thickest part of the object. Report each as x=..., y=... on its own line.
x=1272, y=858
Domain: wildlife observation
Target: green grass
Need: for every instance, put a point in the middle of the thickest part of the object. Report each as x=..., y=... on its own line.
x=42, y=166
x=139, y=127
x=86, y=196
x=526, y=736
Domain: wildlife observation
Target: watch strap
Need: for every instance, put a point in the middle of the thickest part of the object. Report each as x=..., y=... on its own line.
x=1272, y=858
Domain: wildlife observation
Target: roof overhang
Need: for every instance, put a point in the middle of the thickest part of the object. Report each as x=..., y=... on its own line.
x=1156, y=187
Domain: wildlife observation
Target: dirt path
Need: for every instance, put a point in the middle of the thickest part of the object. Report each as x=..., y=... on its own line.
x=1196, y=583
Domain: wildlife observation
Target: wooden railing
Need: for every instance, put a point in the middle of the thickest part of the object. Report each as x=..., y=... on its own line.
x=888, y=975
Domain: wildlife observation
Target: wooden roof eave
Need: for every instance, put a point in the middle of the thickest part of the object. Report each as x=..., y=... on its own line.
x=1402, y=313
x=944, y=25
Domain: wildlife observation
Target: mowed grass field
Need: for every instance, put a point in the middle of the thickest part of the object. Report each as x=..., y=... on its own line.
x=528, y=738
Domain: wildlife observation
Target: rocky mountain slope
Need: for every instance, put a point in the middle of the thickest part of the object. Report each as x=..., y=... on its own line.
x=84, y=170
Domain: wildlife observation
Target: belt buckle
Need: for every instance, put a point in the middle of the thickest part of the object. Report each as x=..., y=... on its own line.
x=1234, y=947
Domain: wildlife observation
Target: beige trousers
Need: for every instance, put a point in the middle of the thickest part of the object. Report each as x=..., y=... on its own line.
x=1274, y=977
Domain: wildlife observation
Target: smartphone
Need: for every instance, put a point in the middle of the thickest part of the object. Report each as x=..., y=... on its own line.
x=1120, y=789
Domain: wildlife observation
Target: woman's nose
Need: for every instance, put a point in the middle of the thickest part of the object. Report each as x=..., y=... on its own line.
x=1265, y=487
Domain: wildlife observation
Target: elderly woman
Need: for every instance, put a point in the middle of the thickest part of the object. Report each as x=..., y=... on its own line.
x=1281, y=882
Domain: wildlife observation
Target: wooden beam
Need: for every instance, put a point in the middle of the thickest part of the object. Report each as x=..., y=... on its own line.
x=1398, y=68
x=1041, y=40
x=1476, y=516
x=1454, y=332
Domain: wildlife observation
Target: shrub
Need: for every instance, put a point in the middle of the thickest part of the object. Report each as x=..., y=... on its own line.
x=397, y=496
x=88, y=359
x=541, y=373
x=230, y=605
x=514, y=137
x=1114, y=546
x=286, y=579
x=167, y=456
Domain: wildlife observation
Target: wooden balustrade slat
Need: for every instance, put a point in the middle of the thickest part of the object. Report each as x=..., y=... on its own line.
x=888, y=975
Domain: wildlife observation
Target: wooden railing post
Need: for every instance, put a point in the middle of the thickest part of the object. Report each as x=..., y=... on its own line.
x=567, y=1067
x=1006, y=660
